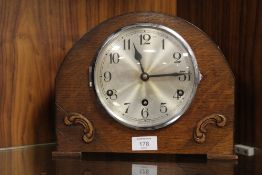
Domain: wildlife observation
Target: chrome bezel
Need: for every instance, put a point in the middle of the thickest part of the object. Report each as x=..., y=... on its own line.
x=186, y=47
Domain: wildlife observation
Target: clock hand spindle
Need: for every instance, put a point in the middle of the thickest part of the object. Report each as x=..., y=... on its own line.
x=138, y=57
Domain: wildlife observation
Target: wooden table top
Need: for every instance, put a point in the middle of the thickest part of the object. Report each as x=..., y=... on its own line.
x=38, y=160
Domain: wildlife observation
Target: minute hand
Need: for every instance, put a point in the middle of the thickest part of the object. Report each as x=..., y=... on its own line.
x=169, y=74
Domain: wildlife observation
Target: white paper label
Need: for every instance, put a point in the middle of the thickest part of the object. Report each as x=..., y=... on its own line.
x=144, y=169
x=144, y=143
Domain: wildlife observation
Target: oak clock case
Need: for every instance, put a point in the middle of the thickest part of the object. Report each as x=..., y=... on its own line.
x=145, y=76
x=148, y=87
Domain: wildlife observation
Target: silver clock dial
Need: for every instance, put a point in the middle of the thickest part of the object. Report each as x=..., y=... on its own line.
x=145, y=76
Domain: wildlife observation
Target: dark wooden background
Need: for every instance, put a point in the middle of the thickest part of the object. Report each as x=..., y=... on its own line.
x=35, y=36
x=236, y=27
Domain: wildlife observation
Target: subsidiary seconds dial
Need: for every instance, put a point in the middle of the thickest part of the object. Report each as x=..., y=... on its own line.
x=145, y=76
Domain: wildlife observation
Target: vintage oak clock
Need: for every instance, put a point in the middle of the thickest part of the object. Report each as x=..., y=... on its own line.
x=145, y=83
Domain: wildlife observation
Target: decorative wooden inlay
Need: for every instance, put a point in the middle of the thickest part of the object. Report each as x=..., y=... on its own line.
x=76, y=118
x=200, y=129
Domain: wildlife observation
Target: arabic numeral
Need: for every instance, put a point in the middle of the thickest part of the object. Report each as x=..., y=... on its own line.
x=107, y=76
x=114, y=58
x=177, y=57
x=127, y=44
x=163, y=108
x=185, y=77
x=179, y=93
x=144, y=113
x=144, y=143
x=144, y=39
x=127, y=104
x=112, y=94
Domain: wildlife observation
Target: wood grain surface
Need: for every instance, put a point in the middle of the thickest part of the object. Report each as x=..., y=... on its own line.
x=34, y=38
x=215, y=94
x=236, y=26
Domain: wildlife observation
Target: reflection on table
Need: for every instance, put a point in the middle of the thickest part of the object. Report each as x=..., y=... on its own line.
x=38, y=160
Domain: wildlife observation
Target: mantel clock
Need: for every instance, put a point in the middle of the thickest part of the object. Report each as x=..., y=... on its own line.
x=145, y=83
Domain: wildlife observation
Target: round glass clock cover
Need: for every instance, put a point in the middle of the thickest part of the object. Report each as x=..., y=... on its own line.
x=146, y=76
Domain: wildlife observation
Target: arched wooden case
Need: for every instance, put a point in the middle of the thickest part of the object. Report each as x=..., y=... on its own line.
x=82, y=125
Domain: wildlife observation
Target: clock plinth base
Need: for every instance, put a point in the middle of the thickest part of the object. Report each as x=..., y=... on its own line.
x=78, y=155
x=222, y=157
x=72, y=155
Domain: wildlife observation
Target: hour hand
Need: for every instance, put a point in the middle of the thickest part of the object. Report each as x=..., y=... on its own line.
x=138, y=57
